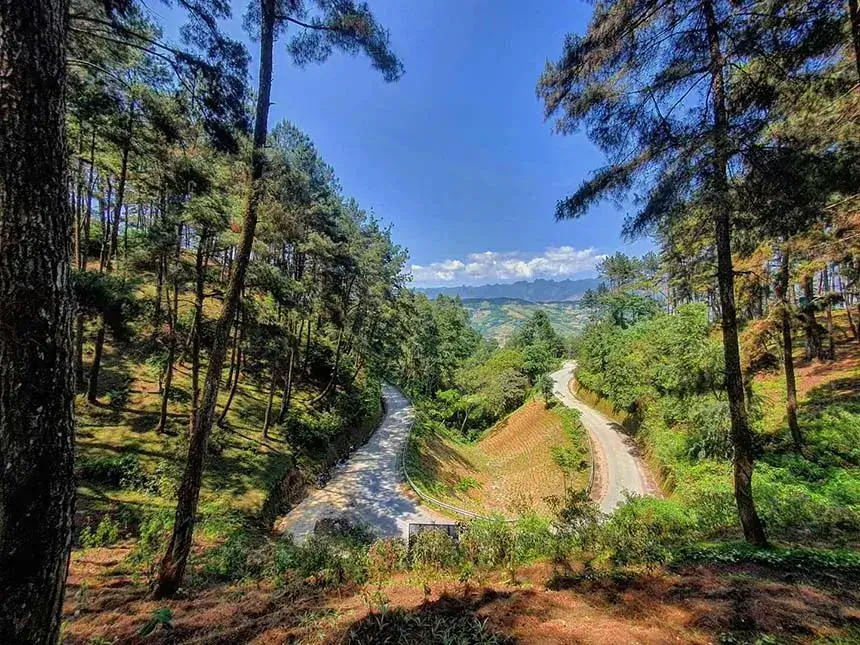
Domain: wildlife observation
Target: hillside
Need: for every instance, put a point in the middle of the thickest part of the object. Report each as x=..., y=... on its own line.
x=498, y=318
x=540, y=290
x=513, y=466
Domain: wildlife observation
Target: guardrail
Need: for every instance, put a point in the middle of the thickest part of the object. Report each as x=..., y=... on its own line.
x=456, y=509
x=421, y=494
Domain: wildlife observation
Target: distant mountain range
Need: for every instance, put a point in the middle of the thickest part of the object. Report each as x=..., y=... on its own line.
x=540, y=290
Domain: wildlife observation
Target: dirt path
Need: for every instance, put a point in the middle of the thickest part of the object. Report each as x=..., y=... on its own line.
x=617, y=464
x=369, y=486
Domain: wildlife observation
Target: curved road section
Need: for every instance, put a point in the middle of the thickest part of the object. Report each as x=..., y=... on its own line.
x=619, y=468
x=368, y=487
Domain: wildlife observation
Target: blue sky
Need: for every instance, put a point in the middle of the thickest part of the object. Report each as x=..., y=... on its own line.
x=456, y=155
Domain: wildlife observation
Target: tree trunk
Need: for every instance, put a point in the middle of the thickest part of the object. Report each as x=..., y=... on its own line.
x=95, y=368
x=79, y=350
x=159, y=292
x=811, y=329
x=233, y=352
x=854, y=15
x=788, y=350
x=171, y=358
x=172, y=567
x=120, y=191
x=233, y=387
x=307, y=345
x=847, y=302
x=741, y=433
x=831, y=347
x=85, y=247
x=288, y=388
x=855, y=332
x=199, y=281
x=104, y=214
x=267, y=422
x=37, y=426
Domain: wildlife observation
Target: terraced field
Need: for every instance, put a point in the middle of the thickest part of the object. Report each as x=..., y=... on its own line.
x=515, y=464
x=499, y=318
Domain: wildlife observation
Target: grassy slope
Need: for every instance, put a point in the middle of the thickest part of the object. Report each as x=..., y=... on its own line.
x=510, y=466
x=124, y=421
x=819, y=385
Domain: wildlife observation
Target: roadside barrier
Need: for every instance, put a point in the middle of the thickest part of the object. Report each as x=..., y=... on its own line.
x=456, y=509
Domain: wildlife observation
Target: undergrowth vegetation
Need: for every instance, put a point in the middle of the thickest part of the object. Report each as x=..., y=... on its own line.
x=666, y=372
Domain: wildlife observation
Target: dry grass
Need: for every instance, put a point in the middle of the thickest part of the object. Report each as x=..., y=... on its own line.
x=692, y=604
x=510, y=467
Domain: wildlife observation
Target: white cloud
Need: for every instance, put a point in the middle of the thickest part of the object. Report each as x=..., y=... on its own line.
x=494, y=266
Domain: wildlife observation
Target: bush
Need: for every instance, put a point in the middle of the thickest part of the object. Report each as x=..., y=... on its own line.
x=577, y=522
x=641, y=530
x=126, y=472
x=320, y=561
x=229, y=560
x=489, y=543
x=105, y=534
x=533, y=538
x=114, y=472
x=802, y=560
x=384, y=557
x=433, y=550
x=154, y=532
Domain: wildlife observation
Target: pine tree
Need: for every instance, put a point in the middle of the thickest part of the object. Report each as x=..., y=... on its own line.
x=668, y=90
x=37, y=425
x=345, y=26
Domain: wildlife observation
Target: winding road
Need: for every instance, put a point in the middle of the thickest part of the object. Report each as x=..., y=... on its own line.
x=370, y=487
x=618, y=466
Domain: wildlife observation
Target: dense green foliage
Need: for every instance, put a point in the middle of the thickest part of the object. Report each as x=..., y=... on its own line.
x=666, y=372
x=469, y=383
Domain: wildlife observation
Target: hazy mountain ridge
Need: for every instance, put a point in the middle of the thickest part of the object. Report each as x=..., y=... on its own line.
x=540, y=290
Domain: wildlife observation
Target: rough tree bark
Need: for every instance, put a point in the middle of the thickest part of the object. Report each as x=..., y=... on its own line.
x=172, y=314
x=787, y=350
x=199, y=283
x=120, y=191
x=95, y=368
x=273, y=382
x=854, y=15
x=811, y=328
x=37, y=425
x=172, y=567
x=831, y=346
x=741, y=435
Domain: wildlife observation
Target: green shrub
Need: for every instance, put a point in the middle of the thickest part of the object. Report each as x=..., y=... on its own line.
x=577, y=522
x=384, y=557
x=433, y=550
x=154, y=532
x=641, y=530
x=114, y=472
x=105, y=534
x=534, y=538
x=320, y=562
x=489, y=543
x=802, y=560
x=466, y=484
x=228, y=561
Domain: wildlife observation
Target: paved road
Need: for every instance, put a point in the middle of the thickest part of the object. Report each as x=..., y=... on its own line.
x=368, y=487
x=619, y=468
